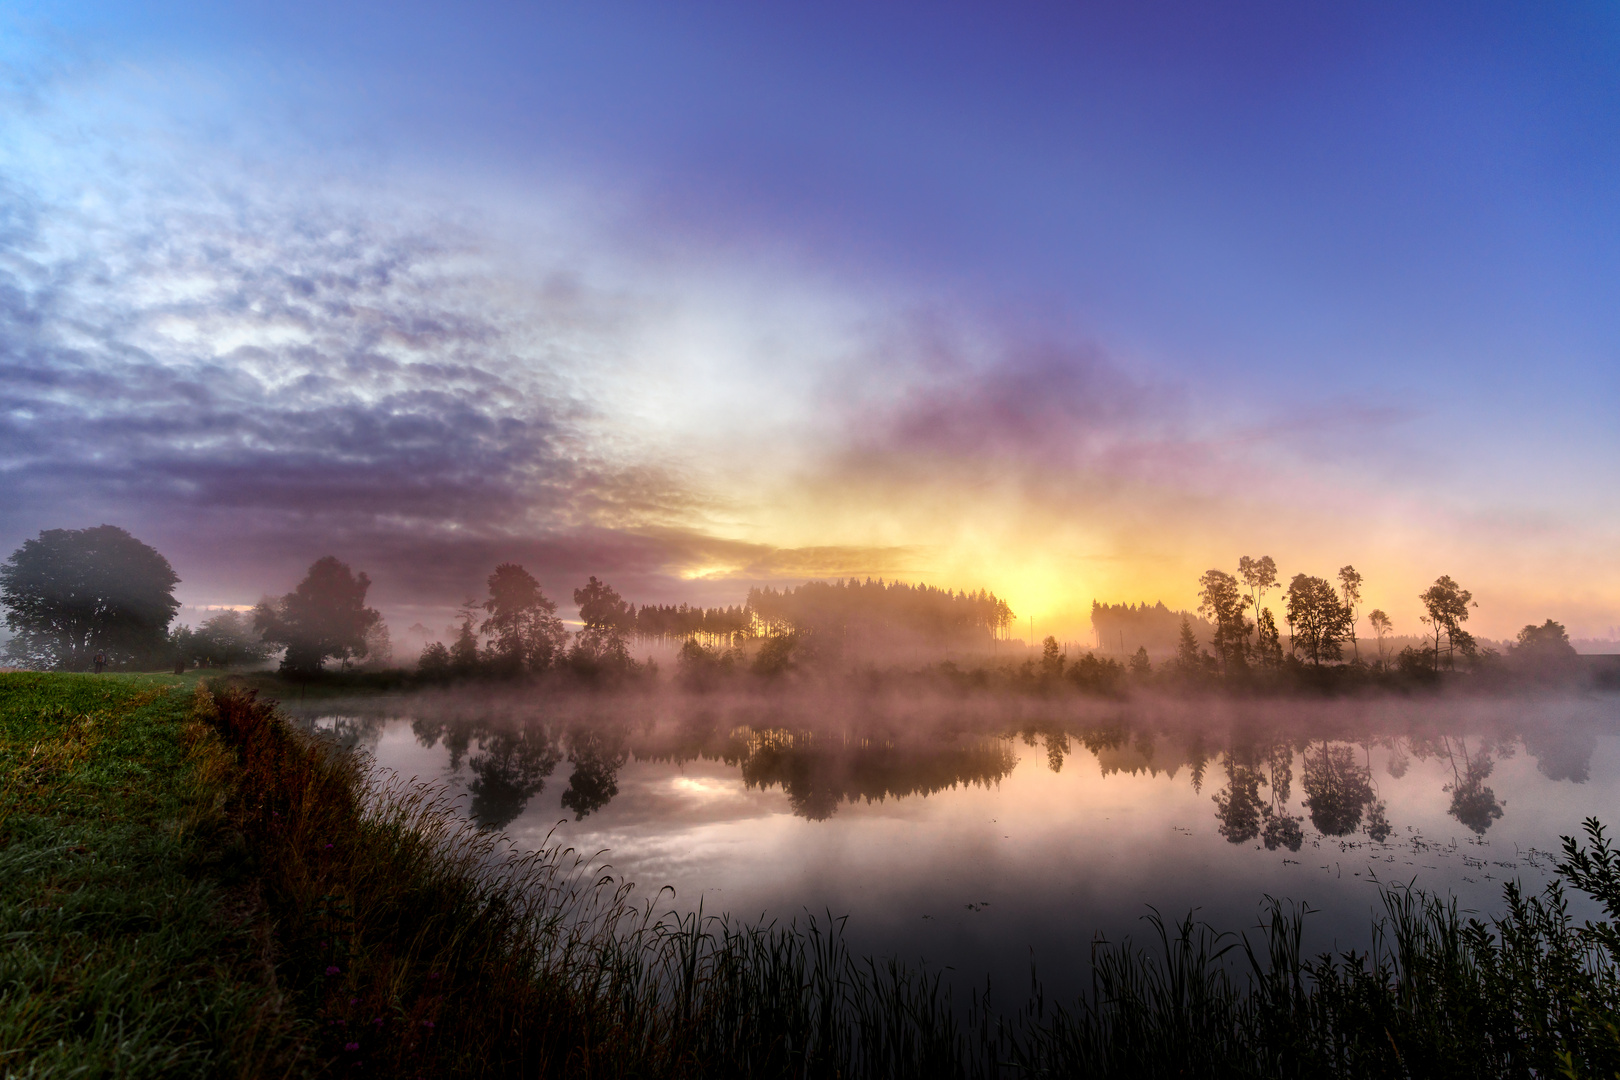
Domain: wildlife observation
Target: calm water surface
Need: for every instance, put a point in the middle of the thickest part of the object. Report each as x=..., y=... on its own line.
x=982, y=835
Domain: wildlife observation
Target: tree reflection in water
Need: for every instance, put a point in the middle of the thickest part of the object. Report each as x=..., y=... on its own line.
x=1472, y=803
x=821, y=766
x=1238, y=807
x=1337, y=788
x=597, y=754
x=820, y=771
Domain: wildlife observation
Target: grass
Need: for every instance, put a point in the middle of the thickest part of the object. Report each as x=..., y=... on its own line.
x=128, y=942
x=194, y=886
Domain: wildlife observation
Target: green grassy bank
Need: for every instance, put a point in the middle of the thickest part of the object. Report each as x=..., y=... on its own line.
x=132, y=941
x=189, y=886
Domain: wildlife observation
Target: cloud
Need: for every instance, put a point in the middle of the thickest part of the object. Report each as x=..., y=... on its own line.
x=254, y=366
x=251, y=374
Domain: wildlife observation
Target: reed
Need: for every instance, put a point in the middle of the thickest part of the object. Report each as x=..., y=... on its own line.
x=418, y=946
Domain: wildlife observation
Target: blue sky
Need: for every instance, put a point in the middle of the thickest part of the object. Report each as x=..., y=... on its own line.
x=780, y=290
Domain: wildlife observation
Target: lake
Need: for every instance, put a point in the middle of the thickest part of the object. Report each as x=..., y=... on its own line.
x=984, y=834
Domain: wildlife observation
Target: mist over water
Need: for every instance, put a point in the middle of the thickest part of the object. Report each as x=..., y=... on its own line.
x=981, y=833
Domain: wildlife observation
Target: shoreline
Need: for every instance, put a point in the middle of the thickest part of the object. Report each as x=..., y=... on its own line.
x=375, y=912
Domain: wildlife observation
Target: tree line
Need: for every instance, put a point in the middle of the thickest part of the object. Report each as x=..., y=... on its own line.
x=98, y=596
x=1322, y=618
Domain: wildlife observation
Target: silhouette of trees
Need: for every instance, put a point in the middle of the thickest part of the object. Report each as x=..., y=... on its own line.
x=1221, y=600
x=434, y=662
x=1381, y=628
x=727, y=626
x=1187, y=650
x=1052, y=659
x=1318, y=619
x=1129, y=626
x=1544, y=652
x=1258, y=576
x=1268, y=641
x=1100, y=675
x=602, y=608
x=324, y=617
x=863, y=615
x=700, y=667
x=1446, y=604
x=600, y=646
x=1350, y=590
x=524, y=631
x=71, y=593
x=224, y=640
x=775, y=656
x=465, y=656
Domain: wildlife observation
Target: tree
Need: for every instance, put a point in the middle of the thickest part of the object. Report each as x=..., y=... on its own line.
x=1187, y=649
x=1052, y=658
x=226, y=639
x=600, y=645
x=1447, y=603
x=1222, y=602
x=523, y=626
x=1545, y=652
x=1350, y=589
x=1258, y=576
x=1268, y=641
x=71, y=593
x=379, y=651
x=601, y=607
x=325, y=617
x=434, y=663
x=464, y=656
x=1381, y=627
x=1318, y=618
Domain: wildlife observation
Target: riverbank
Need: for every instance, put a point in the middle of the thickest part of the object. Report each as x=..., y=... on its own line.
x=193, y=887
x=132, y=941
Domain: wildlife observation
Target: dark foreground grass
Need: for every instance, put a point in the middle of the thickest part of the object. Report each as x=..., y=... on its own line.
x=405, y=944
x=128, y=939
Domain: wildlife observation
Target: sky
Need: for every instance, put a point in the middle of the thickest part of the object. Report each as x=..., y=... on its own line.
x=1066, y=301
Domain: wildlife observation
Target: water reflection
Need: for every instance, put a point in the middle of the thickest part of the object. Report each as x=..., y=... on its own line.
x=597, y=754
x=1472, y=803
x=871, y=755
